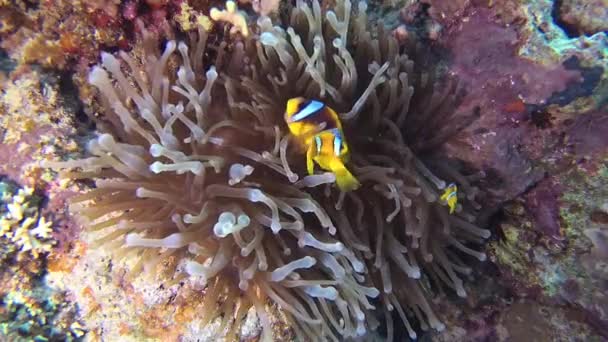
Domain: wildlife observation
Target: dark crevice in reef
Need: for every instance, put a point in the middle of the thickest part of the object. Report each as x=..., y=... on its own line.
x=570, y=30
x=590, y=79
x=494, y=222
x=68, y=92
x=6, y=63
x=31, y=5
x=540, y=117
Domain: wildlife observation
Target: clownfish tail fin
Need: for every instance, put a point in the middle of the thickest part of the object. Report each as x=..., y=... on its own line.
x=345, y=180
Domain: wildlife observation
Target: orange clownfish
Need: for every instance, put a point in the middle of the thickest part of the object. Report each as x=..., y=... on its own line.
x=318, y=129
x=450, y=196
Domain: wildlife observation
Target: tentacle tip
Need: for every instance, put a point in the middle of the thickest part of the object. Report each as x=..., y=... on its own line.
x=415, y=273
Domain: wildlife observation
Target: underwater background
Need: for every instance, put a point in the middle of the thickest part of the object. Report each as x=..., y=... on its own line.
x=153, y=187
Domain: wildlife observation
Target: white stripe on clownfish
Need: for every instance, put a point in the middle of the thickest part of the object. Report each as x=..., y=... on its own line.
x=318, y=143
x=310, y=109
x=337, y=144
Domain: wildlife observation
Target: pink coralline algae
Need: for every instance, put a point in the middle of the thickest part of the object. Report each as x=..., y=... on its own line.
x=543, y=207
x=154, y=14
x=516, y=97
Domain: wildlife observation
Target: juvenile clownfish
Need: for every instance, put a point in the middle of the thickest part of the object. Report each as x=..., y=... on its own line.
x=450, y=196
x=317, y=128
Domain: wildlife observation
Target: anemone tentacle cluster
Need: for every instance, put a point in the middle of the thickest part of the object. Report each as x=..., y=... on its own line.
x=196, y=173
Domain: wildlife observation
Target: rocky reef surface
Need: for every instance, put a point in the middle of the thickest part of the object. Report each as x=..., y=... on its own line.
x=536, y=71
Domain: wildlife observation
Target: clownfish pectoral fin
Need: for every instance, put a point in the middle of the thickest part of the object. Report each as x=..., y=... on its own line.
x=345, y=180
x=310, y=166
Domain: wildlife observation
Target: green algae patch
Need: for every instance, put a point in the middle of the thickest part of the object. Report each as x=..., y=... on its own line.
x=566, y=268
x=512, y=250
x=587, y=194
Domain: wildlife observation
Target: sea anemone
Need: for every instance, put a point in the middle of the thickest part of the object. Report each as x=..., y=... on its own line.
x=196, y=174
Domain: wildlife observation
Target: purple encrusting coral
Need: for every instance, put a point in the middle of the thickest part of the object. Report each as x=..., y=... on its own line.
x=196, y=178
x=544, y=208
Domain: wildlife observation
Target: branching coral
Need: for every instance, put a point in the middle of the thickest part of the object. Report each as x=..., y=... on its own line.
x=27, y=233
x=197, y=175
